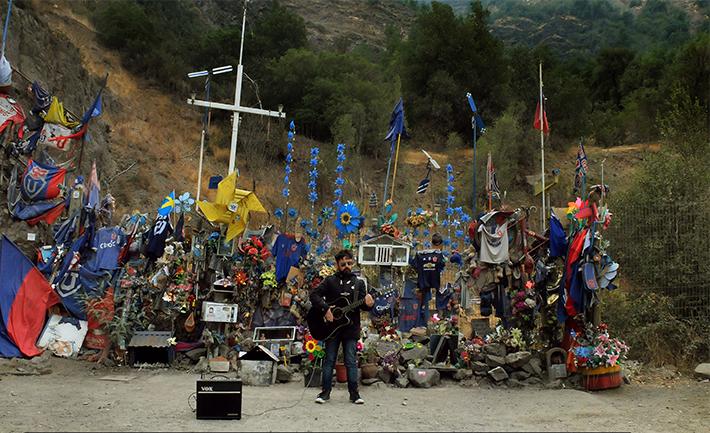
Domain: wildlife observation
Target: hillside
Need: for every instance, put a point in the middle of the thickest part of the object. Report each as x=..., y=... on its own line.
x=571, y=27
x=146, y=143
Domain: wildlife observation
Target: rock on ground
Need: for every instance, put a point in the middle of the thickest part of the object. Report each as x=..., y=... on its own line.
x=703, y=370
x=498, y=374
x=424, y=378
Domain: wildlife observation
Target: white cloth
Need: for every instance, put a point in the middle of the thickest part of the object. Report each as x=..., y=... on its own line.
x=5, y=72
x=494, y=244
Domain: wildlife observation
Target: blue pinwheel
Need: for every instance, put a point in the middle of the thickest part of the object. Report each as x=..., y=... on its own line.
x=183, y=204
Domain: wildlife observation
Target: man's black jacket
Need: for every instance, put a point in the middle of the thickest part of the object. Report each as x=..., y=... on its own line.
x=334, y=287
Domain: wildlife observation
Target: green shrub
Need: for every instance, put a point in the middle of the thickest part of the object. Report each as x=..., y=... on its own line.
x=656, y=335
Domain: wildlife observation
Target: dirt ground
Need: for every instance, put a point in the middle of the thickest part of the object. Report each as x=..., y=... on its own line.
x=74, y=398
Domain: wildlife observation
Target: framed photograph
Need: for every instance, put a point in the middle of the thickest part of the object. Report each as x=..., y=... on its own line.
x=224, y=247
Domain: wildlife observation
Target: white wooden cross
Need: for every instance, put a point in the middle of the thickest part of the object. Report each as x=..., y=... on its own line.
x=237, y=108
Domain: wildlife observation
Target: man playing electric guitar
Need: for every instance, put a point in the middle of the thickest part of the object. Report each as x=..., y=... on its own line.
x=343, y=284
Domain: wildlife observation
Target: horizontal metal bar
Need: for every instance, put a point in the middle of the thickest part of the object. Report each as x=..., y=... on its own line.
x=197, y=74
x=237, y=108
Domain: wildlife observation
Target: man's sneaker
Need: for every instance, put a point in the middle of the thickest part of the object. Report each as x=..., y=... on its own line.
x=355, y=398
x=323, y=397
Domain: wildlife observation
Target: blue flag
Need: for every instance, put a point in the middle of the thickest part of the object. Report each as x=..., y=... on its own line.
x=397, y=123
x=41, y=181
x=476, y=120
x=94, y=111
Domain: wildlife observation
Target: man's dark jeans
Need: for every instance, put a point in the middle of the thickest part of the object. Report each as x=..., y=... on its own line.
x=331, y=353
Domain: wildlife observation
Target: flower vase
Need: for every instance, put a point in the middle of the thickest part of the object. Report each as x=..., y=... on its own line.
x=312, y=378
x=599, y=378
x=341, y=373
x=369, y=371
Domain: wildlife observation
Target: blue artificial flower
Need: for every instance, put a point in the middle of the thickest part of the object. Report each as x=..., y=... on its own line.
x=339, y=169
x=451, y=178
x=340, y=181
x=415, y=243
x=420, y=210
x=312, y=184
x=341, y=158
x=450, y=188
x=327, y=213
x=583, y=351
x=289, y=147
x=444, y=223
x=336, y=203
x=449, y=168
x=338, y=192
x=314, y=151
x=341, y=147
x=466, y=241
x=292, y=125
x=459, y=233
x=285, y=192
x=449, y=211
x=465, y=218
x=320, y=221
x=313, y=196
x=312, y=232
x=286, y=179
x=287, y=169
x=292, y=213
x=279, y=213
x=426, y=232
x=320, y=250
x=455, y=245
x=450, y=199
x=305, y=223
x=289, y=158
x=427, y=244
x=313, y=173
x=314, y=161
x=348, y=219
x=447, y=242
x=415, y=232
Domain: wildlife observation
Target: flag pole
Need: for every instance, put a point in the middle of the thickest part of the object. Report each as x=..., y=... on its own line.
x=396, y=159
x=4, y=30
x=542, y=152
x=473, y=124
x=387, y=178
x=489, y=182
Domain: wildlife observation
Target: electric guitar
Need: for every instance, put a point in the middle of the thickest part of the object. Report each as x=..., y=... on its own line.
x=321, y=329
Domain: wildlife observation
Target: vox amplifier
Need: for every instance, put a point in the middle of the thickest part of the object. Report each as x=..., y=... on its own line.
x=219, y=399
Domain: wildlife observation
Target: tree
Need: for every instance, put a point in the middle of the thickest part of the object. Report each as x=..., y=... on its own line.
x=445, y=56
x=611, y=63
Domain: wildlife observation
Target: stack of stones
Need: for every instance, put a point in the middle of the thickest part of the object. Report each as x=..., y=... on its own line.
x=515, y=369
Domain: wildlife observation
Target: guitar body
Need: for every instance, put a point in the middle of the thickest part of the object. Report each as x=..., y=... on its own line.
x=321, y=329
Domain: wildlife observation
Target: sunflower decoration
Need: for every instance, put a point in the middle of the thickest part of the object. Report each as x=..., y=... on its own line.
x=348, y=218
x=313, y=348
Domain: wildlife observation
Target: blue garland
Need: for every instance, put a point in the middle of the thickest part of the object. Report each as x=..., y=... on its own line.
x=339, y=181
x=449, y=202
x=312, y=184
x=286, y=192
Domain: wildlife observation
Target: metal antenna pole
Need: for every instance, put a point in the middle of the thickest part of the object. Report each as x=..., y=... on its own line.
x=237, y=96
